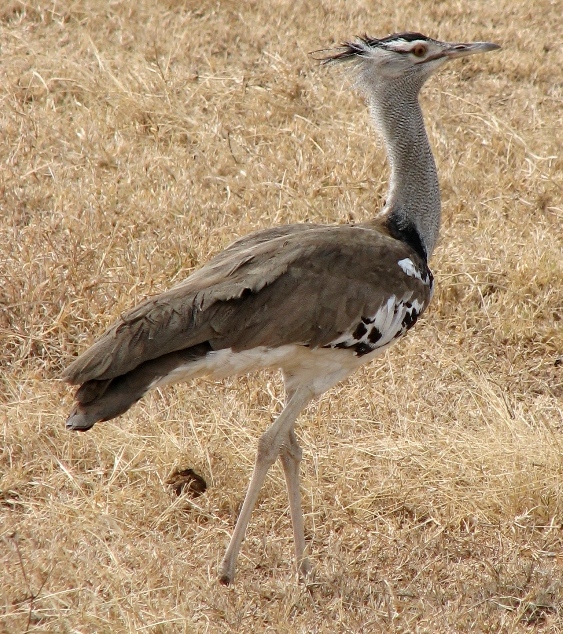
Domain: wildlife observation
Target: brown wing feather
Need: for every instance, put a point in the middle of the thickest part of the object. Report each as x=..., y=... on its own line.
x=349, y=274
x=181, y=317
x=299, y=284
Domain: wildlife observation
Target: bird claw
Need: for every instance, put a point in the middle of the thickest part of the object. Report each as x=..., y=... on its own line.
x=305, y=570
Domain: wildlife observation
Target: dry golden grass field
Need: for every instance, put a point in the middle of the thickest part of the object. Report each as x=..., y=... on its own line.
x=139, y=137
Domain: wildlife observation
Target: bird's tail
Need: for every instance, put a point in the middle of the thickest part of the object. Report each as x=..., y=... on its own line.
x=101, y=400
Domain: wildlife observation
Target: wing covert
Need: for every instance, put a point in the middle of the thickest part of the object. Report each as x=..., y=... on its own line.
x=307, y=286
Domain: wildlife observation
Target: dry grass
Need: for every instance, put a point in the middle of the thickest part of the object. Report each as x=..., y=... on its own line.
x=139, y=137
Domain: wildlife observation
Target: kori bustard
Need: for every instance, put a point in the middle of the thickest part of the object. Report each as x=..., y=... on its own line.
x=316, y=301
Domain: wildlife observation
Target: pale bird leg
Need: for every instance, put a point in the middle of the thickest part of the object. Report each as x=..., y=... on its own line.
x=269, y=447
x=290, y=457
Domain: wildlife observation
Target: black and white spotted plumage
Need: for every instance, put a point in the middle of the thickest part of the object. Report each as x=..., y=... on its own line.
x=392, y=321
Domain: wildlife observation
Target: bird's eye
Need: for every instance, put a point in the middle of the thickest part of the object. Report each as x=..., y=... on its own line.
x=419, y=50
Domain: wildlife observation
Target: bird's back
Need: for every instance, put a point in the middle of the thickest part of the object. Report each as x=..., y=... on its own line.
x=301, y=284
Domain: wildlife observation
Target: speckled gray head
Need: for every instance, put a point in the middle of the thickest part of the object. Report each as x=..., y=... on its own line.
x=402, y=54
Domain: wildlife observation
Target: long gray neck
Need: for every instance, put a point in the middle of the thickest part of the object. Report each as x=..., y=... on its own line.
x=413, y=201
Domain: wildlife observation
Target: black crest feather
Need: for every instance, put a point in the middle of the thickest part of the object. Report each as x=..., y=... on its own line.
x=361, y=45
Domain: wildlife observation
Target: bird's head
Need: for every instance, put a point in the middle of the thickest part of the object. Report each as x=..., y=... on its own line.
x=401, y=55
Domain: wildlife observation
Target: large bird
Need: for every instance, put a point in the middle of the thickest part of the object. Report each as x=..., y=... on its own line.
x=316, y=301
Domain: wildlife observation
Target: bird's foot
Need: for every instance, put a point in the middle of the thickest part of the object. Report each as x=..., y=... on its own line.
x=226, y=572
x=305, y=570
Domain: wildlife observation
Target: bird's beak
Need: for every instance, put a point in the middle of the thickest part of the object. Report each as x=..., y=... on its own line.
x=461, y=50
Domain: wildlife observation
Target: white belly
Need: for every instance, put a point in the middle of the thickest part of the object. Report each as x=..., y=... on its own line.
x=319, y=368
